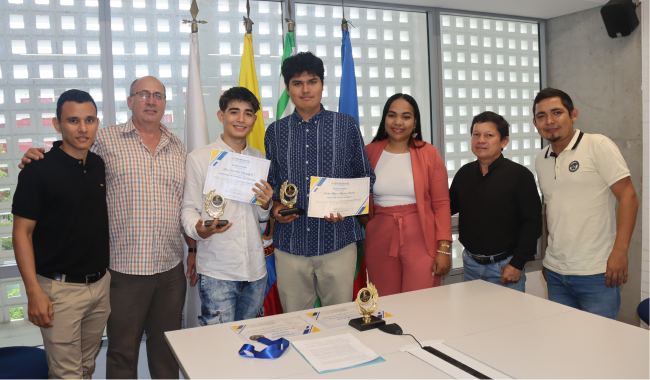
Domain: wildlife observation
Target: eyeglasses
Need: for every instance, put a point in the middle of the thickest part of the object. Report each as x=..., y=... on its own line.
x=144, y=95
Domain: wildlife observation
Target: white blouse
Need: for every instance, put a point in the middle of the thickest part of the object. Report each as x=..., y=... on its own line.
x=394, y=184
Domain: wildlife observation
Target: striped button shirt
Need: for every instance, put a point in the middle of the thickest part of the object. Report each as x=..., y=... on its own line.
x=144, y=195
x=328, y=145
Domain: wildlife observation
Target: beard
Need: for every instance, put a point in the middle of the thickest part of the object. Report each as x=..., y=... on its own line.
x=553, y=139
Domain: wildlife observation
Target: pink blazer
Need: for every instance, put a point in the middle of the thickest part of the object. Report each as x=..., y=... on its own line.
x=431, y=191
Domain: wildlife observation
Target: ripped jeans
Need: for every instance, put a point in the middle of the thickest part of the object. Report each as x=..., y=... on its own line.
x=228, y=301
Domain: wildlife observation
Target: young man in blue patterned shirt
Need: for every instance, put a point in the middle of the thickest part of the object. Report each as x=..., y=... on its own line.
x=314, y=257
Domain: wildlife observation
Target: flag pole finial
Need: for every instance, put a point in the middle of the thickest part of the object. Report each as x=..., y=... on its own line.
x=194, y=11
x=291, y=25
x=344, y=22
x=248, y=23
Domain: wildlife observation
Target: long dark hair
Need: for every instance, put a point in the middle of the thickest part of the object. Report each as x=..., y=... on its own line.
x=414, y=142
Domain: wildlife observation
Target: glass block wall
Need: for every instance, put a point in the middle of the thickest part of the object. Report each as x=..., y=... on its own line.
x=387, y=48
x=149, y=38
x=488, y=65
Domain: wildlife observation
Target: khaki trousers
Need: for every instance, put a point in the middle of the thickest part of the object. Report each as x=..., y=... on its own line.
x=329, y=277
x=80, y=315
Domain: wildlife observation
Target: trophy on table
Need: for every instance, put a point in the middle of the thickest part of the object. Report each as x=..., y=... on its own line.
x=290, y=191
x=219, y=203
x=367, y=301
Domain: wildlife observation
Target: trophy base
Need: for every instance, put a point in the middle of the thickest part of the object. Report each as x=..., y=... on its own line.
x=358, y=324
x=220, y=223
x=291, y=211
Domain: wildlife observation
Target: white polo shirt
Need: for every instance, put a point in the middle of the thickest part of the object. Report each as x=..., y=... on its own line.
x=580, y=207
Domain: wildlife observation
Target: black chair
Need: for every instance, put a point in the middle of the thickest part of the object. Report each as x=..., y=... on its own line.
x=23, y=363
x=643, y=310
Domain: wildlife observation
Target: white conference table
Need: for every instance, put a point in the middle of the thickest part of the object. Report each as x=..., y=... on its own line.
x=521, y=335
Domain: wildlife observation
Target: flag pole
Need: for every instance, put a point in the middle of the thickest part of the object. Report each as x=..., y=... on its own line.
x=196, y=136
x=248, y=23
x=194, y=11
x=291, y=25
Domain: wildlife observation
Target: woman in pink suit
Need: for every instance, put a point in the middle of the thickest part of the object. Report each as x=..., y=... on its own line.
x=408, y=229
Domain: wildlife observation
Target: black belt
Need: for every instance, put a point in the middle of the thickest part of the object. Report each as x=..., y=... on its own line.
x=75, y=278
x=487, y=259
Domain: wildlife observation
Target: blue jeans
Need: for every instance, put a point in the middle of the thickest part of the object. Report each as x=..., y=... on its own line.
x=587, y=293
x=491, y=272
x=228, y=301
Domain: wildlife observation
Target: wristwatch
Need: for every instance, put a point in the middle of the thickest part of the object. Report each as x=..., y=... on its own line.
x=191, y=250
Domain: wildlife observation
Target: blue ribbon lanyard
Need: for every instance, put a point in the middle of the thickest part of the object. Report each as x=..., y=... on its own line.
x=274, y=350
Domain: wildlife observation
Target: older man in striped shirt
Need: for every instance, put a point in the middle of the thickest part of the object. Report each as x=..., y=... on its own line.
x=145, y=169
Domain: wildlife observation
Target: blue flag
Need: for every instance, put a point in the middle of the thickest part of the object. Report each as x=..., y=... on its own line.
x=348, y=102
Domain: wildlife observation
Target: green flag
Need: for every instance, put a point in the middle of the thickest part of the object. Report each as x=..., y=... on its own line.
x=285, y=106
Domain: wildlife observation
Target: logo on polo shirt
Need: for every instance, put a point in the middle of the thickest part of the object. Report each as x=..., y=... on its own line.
x=574, y=166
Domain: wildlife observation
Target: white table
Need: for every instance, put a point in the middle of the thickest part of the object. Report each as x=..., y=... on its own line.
x=518, y=334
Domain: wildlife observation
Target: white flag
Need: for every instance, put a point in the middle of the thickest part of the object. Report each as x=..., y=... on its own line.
x=196, y=136
x=196, y=125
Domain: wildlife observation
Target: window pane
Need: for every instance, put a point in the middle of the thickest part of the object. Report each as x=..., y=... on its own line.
x=388, y=57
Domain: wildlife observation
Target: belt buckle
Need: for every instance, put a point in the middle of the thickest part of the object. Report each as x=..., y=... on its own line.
x=484, y=260
x=90, y=275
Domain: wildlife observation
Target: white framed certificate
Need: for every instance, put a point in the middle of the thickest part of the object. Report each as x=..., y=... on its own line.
x=347, y=196
x=234, y=175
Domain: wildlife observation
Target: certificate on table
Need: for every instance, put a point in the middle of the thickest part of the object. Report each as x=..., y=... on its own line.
x=347, y=196
x=275, y=329
x=340, y=316
x=337, y=352
x=234, y=175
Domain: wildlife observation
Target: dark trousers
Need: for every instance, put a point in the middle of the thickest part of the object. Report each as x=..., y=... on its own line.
x=151, y=304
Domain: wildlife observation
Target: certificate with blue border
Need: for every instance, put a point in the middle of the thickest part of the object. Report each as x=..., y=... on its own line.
x=345, y=196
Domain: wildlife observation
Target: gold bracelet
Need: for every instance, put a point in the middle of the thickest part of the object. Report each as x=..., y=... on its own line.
x=444, y=245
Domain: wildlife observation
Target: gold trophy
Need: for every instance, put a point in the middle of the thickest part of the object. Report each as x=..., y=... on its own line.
x=291, y=191
x=367, y=301
x=219, y=203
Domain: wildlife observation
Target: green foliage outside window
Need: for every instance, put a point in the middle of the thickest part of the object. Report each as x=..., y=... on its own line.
x=7, y=243
x=16, y=313
x=5, y=195
x=6, y=220
x=13, y=292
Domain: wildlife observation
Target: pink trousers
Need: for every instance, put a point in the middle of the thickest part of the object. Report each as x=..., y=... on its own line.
x=395, y=251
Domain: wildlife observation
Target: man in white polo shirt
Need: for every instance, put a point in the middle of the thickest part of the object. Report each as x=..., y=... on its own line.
x=581, y=177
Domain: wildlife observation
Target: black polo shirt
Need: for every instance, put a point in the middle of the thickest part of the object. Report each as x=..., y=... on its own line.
x=498, y=212
x=68, y=202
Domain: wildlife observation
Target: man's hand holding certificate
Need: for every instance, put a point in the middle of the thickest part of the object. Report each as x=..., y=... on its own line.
x=234, y=176
x=345, y=196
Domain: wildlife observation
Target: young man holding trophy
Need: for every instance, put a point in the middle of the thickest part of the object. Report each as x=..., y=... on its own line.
x=315, y=256
x=229, y=262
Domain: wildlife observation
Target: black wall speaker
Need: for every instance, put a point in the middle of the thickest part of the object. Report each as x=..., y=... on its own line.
x=619, y=17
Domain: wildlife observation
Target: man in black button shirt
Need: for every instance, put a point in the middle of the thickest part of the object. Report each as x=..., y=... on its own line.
x=61, y=241
x=500, y=214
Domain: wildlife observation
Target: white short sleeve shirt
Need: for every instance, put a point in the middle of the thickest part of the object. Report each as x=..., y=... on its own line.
x=580, y=207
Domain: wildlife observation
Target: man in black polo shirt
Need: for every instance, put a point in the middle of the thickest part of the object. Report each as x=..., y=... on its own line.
x=500, y=214
x=61, y=241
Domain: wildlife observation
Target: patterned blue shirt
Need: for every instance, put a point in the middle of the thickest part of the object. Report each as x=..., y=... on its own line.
x=328, y=145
